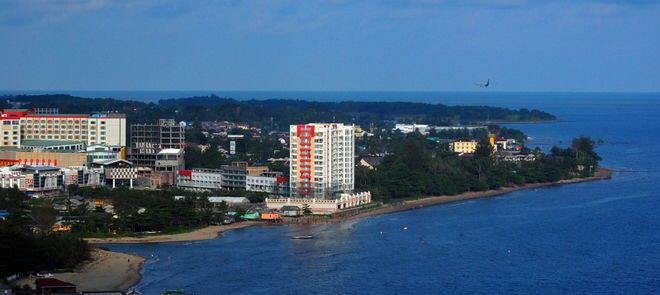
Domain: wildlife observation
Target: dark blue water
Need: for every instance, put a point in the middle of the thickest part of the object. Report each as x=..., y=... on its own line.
x=590, y=238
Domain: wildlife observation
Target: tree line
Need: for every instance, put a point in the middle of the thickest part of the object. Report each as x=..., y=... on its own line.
x=420, y=167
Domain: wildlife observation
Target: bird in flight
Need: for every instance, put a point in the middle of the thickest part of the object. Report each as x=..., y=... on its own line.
x=483, y=85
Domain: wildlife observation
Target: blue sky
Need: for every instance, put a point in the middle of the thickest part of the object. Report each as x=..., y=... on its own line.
x=407, y=45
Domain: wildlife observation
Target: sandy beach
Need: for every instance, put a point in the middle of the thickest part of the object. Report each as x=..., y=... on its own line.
x=118, y=271
x=106, y=271
x=206, y=233
x=601, y=174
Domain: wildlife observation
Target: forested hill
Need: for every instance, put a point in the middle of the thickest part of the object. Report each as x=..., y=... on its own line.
x=421, y=112
x=277, y=113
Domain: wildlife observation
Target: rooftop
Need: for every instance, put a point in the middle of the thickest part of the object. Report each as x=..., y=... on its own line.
x=52, y=283
x=47, y=143
x=170, y=151
x=229, y=199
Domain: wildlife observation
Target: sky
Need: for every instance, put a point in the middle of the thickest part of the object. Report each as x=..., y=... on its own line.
x=330, y=45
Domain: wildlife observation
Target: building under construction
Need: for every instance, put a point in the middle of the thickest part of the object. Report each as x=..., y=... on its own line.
x=147, y=141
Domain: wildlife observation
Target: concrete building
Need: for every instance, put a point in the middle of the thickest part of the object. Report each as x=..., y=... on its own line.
x=99, y=152
x=425, y=129
x=322, y=160
x=465, y=147
x=410, y=128
x=322, y=206
x=118, y=172
x=149, y=139
x=233, y=176
x=168, y=162
x=200, y=179
x=33, y=180
x=228, y=200
x=19, y=125
x=55, y=158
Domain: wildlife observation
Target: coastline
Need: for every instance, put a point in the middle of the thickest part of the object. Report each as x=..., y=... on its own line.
x=212, y=231
x=118, y=276
x=206, y=233
x=601, y=174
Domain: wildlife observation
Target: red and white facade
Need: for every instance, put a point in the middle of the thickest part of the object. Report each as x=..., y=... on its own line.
x=322, y=160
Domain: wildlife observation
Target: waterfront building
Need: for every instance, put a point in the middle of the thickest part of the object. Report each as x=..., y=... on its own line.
x=464, y=147
x=19, y=125
x=322, y=160
x=321, y=206
x=53, y=286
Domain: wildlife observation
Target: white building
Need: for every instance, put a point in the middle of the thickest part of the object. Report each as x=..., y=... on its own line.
x=261, y=184
x=322, y=206
x=200, y=179
x=425, y=129
x=410, y=128
x=322, y=160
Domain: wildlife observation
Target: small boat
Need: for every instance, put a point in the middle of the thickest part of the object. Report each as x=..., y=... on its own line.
x=305, y=237
x=174, y=291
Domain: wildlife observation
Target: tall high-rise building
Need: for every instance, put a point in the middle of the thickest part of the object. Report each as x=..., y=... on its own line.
x=322, y=160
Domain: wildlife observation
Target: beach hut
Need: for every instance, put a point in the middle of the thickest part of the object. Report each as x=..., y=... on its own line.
x=291, y=211
x=271, y=216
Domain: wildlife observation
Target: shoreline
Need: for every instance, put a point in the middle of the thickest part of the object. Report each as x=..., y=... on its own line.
x=206, y=233
x=212, y=231
x=601, y=174
x=126, y=276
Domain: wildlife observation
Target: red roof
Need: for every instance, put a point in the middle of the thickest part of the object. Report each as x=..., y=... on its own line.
x=52, y=283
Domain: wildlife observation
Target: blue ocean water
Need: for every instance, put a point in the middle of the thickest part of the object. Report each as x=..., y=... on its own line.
x=598, y=237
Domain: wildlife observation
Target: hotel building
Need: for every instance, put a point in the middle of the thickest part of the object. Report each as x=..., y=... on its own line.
x=322, y=160
x=48, y=124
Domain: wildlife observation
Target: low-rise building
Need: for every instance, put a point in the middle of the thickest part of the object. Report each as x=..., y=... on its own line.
x=371, y=162
x=200, y=179
x=168, y=163
x=291, y=211
x=118, y=172
x=322, y=206
x=54, y=286
x=99, y=152
x=233, y=177
x=36, y=157
x=261, y=184
x=228, y=200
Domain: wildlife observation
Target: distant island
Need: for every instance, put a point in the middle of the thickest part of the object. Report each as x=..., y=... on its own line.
x=280, y=112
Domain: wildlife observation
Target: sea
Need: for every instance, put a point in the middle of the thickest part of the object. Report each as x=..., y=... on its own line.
x=600, y=237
